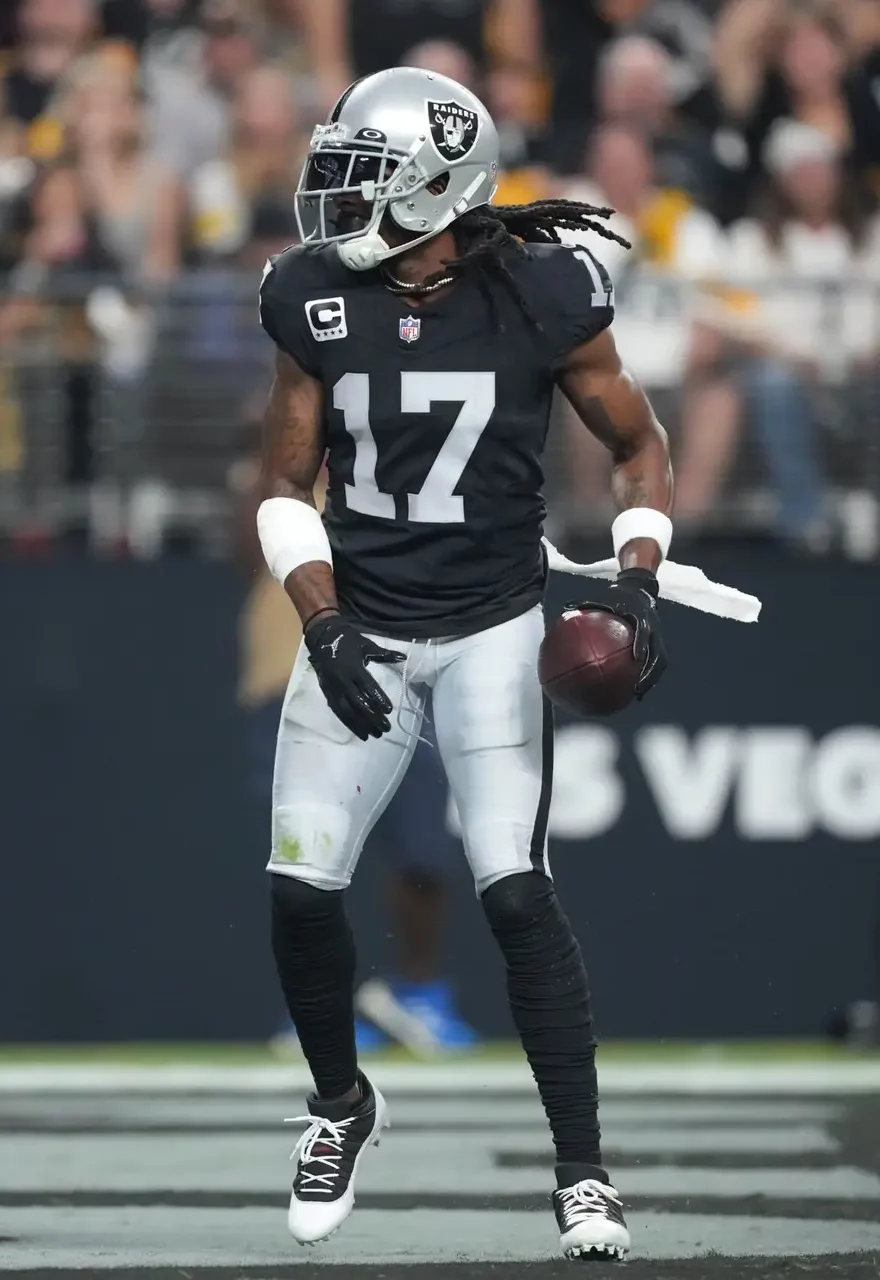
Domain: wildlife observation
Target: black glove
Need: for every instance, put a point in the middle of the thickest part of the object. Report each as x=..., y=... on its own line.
x=339, y=654
x=634, y=597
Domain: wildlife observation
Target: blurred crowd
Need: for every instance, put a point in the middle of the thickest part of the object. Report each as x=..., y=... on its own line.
x=144, y=143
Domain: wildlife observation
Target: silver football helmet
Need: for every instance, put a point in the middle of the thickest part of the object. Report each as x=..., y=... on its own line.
x=417, y=145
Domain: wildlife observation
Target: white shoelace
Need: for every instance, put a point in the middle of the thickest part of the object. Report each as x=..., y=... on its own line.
x=328, y=1133
x=585, y=1198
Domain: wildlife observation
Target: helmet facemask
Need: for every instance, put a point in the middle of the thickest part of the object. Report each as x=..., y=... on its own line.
x=346, y=187
x=342, y=179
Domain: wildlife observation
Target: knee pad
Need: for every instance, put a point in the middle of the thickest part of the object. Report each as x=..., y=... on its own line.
x=298, y=900
x=518, y=900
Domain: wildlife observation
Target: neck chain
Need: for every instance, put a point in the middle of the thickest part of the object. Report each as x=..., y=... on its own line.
x=402, y=286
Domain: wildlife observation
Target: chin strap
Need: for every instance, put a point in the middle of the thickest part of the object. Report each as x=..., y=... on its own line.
x=364, y=253
x=369, y=250
x=681, y=583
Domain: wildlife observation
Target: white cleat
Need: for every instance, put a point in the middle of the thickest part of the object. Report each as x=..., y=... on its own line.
x=327, y=1156
x=591, y=1222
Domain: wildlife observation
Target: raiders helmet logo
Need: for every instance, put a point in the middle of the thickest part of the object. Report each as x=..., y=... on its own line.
x=453, y=129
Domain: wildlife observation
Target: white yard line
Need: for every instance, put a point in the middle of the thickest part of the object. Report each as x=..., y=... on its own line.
x=783, y=1079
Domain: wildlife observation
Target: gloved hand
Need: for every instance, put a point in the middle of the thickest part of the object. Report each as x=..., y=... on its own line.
x=339, y=654
x=634, y=597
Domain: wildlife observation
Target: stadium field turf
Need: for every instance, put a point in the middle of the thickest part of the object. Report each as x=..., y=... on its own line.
x=746, y=1162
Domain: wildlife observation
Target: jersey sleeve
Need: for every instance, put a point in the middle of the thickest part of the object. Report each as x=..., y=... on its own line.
x=283, y=312
x=577, y=298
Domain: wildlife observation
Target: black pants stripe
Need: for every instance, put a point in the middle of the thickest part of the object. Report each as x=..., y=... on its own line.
x=539, y=831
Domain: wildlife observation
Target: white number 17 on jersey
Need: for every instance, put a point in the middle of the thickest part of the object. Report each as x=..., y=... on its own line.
x=435, y=503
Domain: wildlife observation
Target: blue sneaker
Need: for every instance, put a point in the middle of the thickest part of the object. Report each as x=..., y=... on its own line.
x=434, y=1004
x=369, y=1039
x=420, y=1015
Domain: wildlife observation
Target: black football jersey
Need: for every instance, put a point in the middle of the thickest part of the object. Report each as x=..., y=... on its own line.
x=436, y=419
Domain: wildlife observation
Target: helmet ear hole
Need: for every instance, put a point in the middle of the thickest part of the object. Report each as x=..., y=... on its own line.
x=439, y=184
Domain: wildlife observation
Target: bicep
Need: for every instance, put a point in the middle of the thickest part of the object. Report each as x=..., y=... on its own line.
x=609, y=401
x=293, y=433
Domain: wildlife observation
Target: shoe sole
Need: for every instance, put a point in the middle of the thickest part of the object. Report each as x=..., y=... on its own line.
x=593, y=1252
x=372, y=1141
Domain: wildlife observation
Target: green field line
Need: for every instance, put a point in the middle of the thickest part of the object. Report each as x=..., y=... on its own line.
x=244, y=1054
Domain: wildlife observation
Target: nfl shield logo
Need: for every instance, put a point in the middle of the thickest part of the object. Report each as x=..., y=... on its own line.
x=410, y=329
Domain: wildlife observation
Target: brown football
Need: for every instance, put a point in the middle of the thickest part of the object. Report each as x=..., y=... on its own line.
x=586, y=664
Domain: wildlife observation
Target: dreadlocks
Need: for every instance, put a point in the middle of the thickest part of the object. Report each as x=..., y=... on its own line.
x=486, y=232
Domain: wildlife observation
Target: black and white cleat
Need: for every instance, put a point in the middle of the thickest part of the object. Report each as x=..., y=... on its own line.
x=591, y=1222
x=327, y=1158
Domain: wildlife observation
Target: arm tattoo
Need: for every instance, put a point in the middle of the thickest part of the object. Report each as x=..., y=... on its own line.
x=634, y=477
x=293, y=450
x=615, y=409
x=293, y=434
x=595, y=416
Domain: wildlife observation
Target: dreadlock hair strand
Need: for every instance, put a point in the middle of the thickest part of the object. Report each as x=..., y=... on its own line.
x=487, y=232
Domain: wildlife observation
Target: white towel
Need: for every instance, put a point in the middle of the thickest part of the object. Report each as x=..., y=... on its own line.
x=682, y=583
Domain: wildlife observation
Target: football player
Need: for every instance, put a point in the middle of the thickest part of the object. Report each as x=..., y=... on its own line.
x=420, y=334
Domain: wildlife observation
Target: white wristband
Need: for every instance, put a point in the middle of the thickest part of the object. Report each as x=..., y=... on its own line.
x=642, y=522
x=291, y=533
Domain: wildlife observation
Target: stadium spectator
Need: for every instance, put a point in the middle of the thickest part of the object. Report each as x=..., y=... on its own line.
x=49, y=349
x=665, y=230
x=861, y=20
x=445, y=58
x=636, y=87
x=861, y=25
x=517, y=101
x=130, y=203
x=191, y=110
x=351, y=38
x=576, y=36
x=260, y=170
x=51, y=36
x=146, y=22
x=674, y=104
x=668, y=237
x=131, y=207
x=805, y=323
x=164, y=33
x=104, y=225
x=778, y=62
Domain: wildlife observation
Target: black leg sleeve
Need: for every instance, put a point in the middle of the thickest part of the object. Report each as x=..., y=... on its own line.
x=550, y=1002
x=314, y=954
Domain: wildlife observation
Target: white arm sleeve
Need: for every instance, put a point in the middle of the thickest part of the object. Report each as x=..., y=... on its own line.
x=291, y=533
x=642, y=522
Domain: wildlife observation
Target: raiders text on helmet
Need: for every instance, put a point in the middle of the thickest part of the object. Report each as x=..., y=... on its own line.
x=391, y=137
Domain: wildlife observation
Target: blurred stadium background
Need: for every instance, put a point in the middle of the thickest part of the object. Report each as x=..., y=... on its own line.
x=716, y=848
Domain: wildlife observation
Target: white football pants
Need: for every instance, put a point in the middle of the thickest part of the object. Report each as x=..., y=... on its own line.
x=494, y=732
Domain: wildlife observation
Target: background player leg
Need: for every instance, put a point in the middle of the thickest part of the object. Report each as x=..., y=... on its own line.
x=415, y=1003
x=329, y=790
